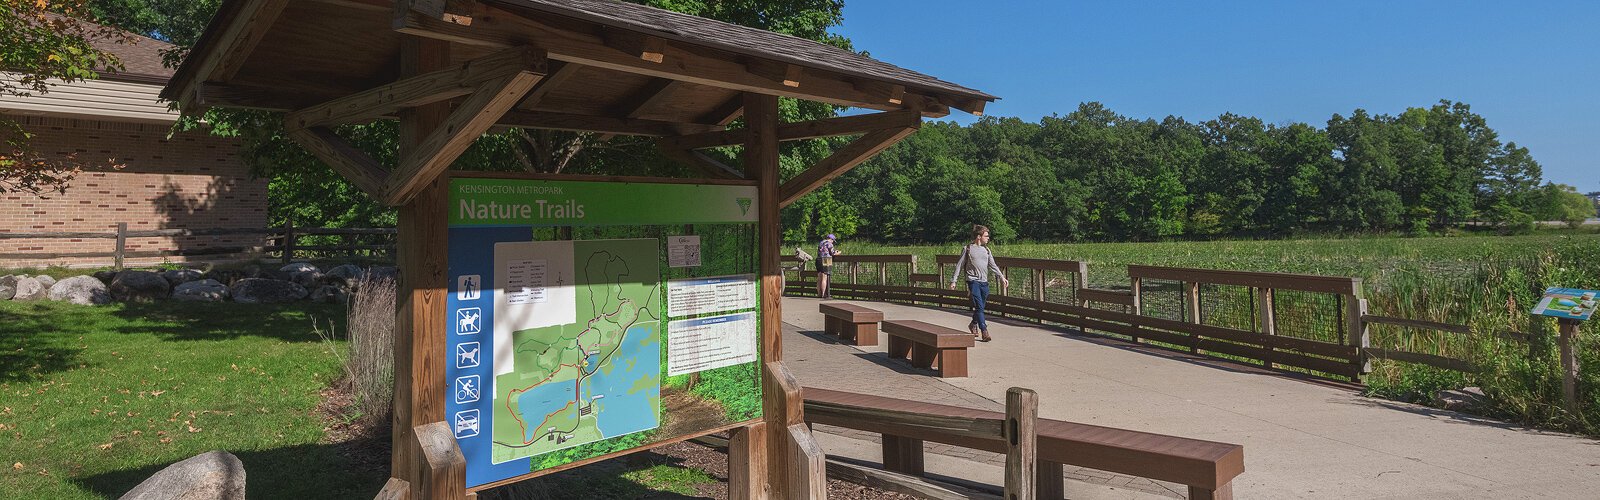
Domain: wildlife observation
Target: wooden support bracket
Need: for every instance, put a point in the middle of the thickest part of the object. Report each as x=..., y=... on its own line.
x=701, y=162
x=419, y=90
x=812, y=129
x=358, y=168
x=839, y=162
x=470, y=120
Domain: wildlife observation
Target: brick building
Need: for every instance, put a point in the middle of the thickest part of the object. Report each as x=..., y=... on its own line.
x=190, y=180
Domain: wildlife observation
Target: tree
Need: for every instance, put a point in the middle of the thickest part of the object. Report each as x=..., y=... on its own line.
x=43, y=43
x=1560, y=202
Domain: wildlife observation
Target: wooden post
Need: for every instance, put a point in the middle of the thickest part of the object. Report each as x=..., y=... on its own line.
x=1038, y=285
x=1191, y=302
x=883, y=273
x=808, y=465
x=1052, y=481
x=747, y=462
x=1569, y=364
x=904, y=455
x=1269, y=320
x=1136, y=287
x=122, y=244
x=1080, y=280
x=1022, y=443
x=420, y=385
x=441, y=468
x=1357, y=333
x=288, y=240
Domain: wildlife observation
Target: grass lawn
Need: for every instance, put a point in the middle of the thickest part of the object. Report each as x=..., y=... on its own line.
x=95, y=399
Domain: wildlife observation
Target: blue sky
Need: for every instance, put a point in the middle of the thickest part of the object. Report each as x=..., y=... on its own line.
x=1532, y=69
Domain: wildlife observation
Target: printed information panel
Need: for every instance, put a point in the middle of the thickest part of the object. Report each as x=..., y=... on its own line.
x=560, y=348
x=1567, y=303
x=696, y=296
x=705, y=343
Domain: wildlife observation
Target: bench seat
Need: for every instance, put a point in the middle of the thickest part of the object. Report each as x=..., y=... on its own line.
x=852, y=323
x=929, y=346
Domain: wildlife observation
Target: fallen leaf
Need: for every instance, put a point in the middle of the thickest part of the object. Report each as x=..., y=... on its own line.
x=166, y=440
x=106, y=446
x=157, y=393
x=16, y=466
x=193, y=429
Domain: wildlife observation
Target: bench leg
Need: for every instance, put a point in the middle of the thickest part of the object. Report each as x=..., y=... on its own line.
x=953, y=362
x=866, y=334
x=923, y=356
x=1049, y=481
x=1224, y=492
x=903, y=455
x=899, y=348
x=830, y=325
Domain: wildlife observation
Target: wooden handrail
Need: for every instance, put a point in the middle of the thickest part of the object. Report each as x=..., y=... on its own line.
x=1281, y=281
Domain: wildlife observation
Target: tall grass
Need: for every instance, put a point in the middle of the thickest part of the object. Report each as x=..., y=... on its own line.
x=369, y=362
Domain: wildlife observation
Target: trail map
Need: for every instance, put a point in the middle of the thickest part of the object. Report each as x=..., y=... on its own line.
x=577, y=344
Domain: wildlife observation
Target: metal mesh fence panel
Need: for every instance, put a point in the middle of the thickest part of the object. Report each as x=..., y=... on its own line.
x=1309, y=315
x=899, y=274
x=1060, y=287
x=1228, y=306
x=1161, y=299
x=1021, y=282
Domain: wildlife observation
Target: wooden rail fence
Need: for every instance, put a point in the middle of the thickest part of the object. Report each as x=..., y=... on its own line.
x=284, y=242
x=1305, y=323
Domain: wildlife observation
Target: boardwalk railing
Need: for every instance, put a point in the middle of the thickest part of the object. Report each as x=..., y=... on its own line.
x=1036, y=450
x=1304, y=323
x=287, y=243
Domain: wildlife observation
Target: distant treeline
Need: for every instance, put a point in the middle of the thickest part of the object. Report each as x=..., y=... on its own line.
x=1096, y=175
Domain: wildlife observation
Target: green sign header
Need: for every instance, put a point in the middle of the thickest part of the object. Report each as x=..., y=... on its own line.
x=521, y=202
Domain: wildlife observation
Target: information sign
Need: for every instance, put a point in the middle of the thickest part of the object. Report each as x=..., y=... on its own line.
x=1567, y=303
x=567, y=349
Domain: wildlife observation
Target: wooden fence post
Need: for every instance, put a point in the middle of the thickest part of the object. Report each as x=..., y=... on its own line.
x=1135, y=287
x=1080, y=281
x=122, y=244
x=288, y=240
x=904, y=455
x=747, y=462
x=1569, y=363
x=1038, y=285
x=1191, y=302
x=1357, y=333
x=1022, y=443
x=1269, y=320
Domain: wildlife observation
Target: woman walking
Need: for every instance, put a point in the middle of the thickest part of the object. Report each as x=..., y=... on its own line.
x=975, y=264
x=825, y=252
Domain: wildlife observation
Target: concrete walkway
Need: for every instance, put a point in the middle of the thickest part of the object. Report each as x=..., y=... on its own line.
x=1302, y=439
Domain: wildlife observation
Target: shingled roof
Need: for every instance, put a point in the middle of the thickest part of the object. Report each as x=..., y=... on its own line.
x=140, y=56
x=739, y=39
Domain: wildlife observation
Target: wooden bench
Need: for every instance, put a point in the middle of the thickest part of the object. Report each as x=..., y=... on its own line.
x=1206, y=467
x=852, y=323
x=927, y=345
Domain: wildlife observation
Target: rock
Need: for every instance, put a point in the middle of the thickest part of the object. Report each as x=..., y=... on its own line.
x=105, y=276
x=226, y=276
x=47, y=281
x=383, y=272
x=331, y=294
x=346, y=275
x=211, y=475
x=206, y=290
x=308, y=279
x=8, y=287
x=177, y=277
x=1465, y=399
x=299, y=267
x=29, y=289
x=140, y=286
x=265, y=291
x=81, y=290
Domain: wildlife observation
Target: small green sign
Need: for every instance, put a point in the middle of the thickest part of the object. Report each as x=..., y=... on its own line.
x=522, y=202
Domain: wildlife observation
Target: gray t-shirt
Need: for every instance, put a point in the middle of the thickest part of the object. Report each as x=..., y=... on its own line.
x=975, y=264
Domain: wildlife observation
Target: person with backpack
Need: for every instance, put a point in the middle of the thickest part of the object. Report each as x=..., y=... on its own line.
x=825, y=252
x=975, y=265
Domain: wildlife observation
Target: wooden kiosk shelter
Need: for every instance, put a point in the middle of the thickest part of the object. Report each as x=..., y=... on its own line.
x=450, y=70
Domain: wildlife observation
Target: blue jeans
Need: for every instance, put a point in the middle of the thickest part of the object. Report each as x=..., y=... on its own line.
x=979, y=291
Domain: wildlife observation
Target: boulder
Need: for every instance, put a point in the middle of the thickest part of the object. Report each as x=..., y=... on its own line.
x=213, y=475
x=105, y=276
x=383, y=272
x=299, y=267
x=226, y=276
x=81, y=290
x=47, y=281
x=140, y=286
x=206, y=290
x=177, y=277
x=265, y=291
x=29, y=289
x=8, y=287
x=345, y=275
x=331, y=294
x=308, y=279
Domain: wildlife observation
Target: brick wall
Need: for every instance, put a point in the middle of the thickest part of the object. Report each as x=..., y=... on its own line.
x=190, y=181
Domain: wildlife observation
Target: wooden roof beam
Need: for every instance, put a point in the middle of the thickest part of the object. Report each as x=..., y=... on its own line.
x=241, y=36
x=451, y=11
x=577, y=42
x=558, y=76
x=597, y=124
x=725, y=113
x=645, y=47
x=361, y=170
x=826, y=127
x=487, y=104
x=418, y=90
x=653, y=93
x=787, y=74
x=839, y=162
